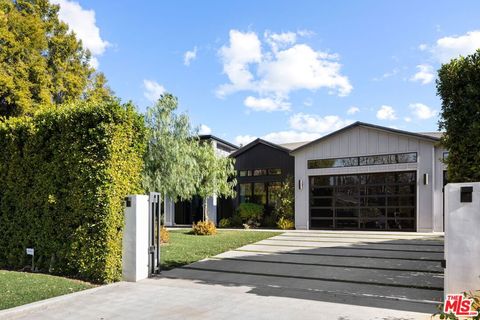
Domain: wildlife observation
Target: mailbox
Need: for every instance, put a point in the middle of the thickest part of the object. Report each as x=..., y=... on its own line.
x=466, y=194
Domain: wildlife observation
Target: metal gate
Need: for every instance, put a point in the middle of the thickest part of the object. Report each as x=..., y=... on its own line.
x=154, y=225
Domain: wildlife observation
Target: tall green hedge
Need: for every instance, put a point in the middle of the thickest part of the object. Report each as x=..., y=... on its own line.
x=63, y=178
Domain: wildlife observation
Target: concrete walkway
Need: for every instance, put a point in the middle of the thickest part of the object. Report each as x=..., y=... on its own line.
x=301, y=275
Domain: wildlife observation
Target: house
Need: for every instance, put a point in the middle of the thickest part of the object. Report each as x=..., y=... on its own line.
x=361, y=177
x=368, y=177
x=261, y=168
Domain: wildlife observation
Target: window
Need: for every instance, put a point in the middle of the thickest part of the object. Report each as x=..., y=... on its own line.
x=273, y=188
x=410, y=157
x=259, y=193
x=259, y=172
x=445, y=155
x=245, y=192
x=274, y=172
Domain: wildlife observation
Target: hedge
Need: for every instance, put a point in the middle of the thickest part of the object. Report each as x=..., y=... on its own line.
x=64, y=175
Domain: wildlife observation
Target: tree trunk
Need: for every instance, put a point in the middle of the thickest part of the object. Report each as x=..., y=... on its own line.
x=205, y=209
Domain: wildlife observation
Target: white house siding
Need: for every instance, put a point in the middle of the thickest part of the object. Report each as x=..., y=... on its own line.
x=361, y=141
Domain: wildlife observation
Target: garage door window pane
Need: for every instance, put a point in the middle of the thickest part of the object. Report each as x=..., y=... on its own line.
x=346, y=224
x=321, y=224
x=321, y=202
x=398, y=224
x=321, y=213
x=346, y=213
x=401, y=213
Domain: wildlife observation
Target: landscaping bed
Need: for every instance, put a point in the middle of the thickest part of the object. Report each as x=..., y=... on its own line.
x=185, y=248
x=19, y=288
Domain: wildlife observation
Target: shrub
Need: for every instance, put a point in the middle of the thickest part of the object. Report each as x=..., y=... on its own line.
x=224, y=223
x=269, y=221
x=204, y=228
x=251, y=213
x=64, y=175
x=236, y=221
x=164, y=235
x=285, y=204
x=285, y=224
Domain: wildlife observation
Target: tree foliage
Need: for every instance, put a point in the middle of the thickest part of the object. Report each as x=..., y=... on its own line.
x=216, y=174
x=42, y=63
x=284, y=205
x=458, y=85
x=177, y=163
x=170, y=162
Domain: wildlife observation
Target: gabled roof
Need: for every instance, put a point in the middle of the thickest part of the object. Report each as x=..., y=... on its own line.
x=372, y=126
x=212, y=137
x=293, y=145
x=257, y=142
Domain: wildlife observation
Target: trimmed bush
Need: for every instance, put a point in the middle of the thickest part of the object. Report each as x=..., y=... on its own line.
x=64, y=175
x=250, y=213
x=204, y=228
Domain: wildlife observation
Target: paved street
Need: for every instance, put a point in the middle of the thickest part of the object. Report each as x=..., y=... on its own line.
x=306, y=275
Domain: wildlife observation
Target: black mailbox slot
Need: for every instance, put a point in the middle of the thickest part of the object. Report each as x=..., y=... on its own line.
x=466, y=194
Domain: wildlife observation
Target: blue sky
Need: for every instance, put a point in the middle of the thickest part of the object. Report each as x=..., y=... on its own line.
x=282, y=70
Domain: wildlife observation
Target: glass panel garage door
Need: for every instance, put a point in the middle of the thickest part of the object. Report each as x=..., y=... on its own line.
x=374, y=201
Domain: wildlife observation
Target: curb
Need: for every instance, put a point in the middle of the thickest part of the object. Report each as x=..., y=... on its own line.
x=22, y=310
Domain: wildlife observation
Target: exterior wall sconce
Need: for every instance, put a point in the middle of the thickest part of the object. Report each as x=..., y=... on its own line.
x=300, y=184
x=425, y=179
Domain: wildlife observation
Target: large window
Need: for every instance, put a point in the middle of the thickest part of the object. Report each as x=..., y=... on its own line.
x=410, y=157
x=375, y=201
x=259, y=192
x=245, y=192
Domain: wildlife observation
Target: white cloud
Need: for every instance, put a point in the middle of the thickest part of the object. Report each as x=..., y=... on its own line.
x=83, y=23
x=285, y=67
x=447, y=48
x=407, y=119
x=317, y=124
x=290, y=136
x=266, y=104
x=424, y=75
x=386, y=113
x=153, y=90
x=303, y=127
x=189, y=56
x=422, y=111
x=244, y=140
x=244, y=49
x=423, y=47
x=280, y=40
x=353, y=110
x=204, y=129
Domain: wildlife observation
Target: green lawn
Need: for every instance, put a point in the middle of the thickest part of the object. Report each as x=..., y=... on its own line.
x=185, y=248
x=18, y=288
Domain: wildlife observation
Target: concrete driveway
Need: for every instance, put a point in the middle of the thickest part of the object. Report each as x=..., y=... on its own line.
x=399, y=271
x=299, y=274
